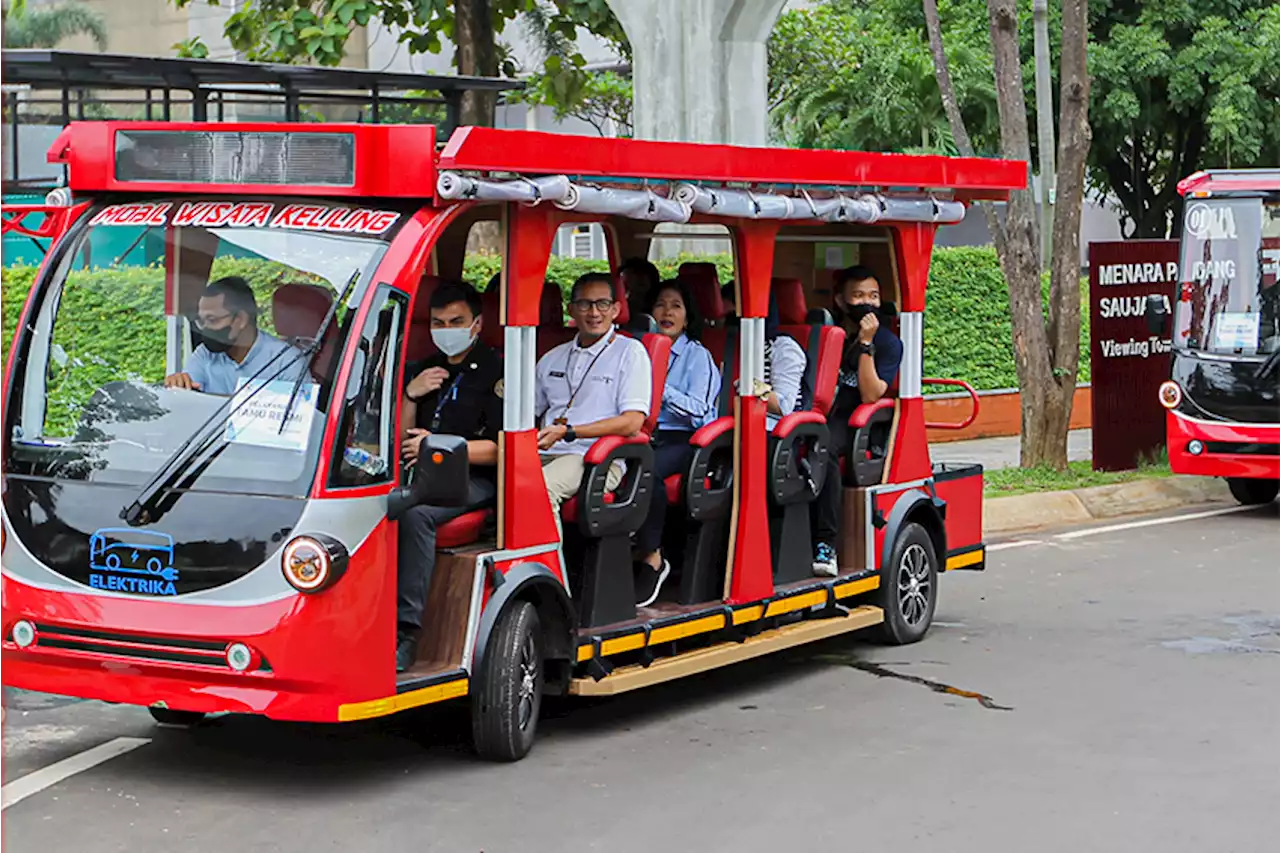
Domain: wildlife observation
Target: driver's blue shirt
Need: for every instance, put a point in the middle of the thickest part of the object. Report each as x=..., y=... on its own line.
x=218, y=373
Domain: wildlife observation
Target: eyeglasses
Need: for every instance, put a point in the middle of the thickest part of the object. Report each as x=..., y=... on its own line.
x=582, y=306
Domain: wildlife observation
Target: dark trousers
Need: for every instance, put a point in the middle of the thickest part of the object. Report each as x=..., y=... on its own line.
x=671, y=455
x=418, y=551
x=825, y=511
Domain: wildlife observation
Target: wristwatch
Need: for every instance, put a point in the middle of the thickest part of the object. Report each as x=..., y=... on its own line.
x=570, y=434
x=866, y=349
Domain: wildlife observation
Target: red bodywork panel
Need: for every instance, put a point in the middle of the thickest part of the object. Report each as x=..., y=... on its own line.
x=391, y=161
x=1181, y=430
x=322, y=649
x=963, y=522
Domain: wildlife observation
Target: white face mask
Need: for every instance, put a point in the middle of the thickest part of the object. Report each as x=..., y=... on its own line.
x=454, y=341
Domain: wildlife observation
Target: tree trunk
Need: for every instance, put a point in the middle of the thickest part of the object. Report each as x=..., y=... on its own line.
x=1074, y=138
x=477, y=57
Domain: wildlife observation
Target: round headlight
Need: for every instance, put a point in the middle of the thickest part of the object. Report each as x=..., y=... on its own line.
x=239, y=657
x=1170, y=394
x=24, y=634
x=311, y=563
x=1195, y=447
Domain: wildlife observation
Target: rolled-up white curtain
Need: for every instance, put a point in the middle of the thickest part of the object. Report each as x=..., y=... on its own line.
x=723, y=202
x=841, y=208
x=920, y=210
x=633, y=204
x=451, y=185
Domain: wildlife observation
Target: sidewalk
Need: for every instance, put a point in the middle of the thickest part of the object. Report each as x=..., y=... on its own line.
x=995, y=453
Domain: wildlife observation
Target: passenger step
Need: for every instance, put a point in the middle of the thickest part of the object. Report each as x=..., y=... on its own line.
x=634, y=677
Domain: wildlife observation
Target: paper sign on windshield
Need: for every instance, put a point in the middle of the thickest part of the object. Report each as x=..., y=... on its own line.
x=1235, y=331
x=257, y=417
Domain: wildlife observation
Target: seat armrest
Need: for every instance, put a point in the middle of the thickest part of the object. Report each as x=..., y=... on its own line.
x=788, y=423
x=606, y=445
x=712, y=431
x=862, y=415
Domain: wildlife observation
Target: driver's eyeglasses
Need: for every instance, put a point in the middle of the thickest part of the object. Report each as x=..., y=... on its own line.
x=584, y=305
x=211, y=322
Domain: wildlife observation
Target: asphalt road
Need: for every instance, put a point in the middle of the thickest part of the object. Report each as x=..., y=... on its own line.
x=1113, y=691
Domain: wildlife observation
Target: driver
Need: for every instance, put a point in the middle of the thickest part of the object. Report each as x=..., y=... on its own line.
x=234, y=347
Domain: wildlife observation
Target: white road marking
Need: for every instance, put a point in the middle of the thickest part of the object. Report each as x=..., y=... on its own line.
x=1151, y=522
x=1019, y=543
x=36, y=781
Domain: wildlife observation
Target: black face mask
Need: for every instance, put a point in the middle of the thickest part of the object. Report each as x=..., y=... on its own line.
x=217, y=340
x=855, y=313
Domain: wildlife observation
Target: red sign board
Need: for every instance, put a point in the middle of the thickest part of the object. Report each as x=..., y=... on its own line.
x=1128, y=363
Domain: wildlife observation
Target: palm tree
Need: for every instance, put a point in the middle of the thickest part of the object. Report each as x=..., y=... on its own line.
x=48, y=26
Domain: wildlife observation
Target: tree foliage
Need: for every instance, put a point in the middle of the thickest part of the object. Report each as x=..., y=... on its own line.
x=49, y=26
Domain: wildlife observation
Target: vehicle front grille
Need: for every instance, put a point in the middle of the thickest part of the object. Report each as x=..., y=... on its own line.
x=210, y=653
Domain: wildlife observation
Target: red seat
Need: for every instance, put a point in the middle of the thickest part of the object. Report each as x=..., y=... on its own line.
x=298, y=310
x=464, y=529
x=419, y=344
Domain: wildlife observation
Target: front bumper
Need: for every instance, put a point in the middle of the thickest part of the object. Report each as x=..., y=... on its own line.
x=1230, y=448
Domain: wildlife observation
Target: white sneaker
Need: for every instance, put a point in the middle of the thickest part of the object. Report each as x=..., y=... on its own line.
x=824, y=561
x=649, y=582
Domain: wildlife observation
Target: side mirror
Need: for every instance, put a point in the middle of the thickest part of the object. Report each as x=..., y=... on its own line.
x=441, y=477
x=1155, y=314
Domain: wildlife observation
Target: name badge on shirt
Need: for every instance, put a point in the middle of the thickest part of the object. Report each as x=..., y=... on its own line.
x=557, y=374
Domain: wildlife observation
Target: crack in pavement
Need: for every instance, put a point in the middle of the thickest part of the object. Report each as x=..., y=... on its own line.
x=881, y=671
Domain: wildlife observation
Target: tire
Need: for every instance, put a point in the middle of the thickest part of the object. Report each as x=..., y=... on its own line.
x=1251, y=492
x=170, y=717
x=909, y=587
x=506, y=705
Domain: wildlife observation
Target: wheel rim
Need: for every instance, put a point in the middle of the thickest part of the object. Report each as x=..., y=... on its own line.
x=915, y=587
x=529, y=665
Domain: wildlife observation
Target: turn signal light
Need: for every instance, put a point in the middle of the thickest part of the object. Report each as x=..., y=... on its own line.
x=313, y=563
x=1170, y=394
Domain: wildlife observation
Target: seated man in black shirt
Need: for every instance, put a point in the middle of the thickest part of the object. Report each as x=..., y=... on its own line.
x=872, y=356
x=457, y=391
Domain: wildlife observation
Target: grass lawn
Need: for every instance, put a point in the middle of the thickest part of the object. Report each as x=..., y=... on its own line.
x=1019, y=481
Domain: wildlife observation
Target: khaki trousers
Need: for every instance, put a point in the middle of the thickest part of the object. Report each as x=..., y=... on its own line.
x=563, y=475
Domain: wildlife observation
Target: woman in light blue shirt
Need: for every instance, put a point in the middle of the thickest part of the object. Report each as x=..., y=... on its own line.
x=689, y=400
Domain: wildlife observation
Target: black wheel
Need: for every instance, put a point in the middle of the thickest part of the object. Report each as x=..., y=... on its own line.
x=1250, y=492
x=909, y=587
x=170, y=717
x=505, y=707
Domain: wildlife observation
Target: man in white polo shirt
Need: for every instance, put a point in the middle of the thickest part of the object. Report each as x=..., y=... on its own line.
x=598, y=384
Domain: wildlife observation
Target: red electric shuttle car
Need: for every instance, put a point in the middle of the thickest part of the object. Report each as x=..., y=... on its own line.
x=199, y=554
x=1223, y=400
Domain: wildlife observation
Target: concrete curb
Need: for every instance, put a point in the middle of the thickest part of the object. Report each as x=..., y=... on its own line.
x=1040, y=510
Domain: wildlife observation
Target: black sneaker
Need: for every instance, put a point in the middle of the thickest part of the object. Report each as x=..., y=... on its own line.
x=649, y=582
x=406, y=653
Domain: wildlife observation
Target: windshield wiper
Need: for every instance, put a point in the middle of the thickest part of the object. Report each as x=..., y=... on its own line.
x=1269, y=366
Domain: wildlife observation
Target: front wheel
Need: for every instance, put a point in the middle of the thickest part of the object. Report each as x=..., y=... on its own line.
x=171, y=717
x=1250, y=491
x=909, y=587
x=505, y=707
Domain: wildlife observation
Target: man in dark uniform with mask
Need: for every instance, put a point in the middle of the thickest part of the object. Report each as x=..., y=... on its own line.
x=457, y=391
x=872, y=356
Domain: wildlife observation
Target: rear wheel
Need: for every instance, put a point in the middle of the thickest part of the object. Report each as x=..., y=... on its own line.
x=1251, y=491
x=505, y=708
x=909, y=587
x=170, y=717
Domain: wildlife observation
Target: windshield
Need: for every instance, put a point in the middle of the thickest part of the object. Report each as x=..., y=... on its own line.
x=163, y=315
x=1229, y=302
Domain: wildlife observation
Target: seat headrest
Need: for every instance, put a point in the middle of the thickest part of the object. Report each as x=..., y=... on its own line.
x=624, y=309
x=551, y=308
x=422, y=303
x=791, y=302
x=643, y=324
x=819, y=317
x=704, y=285
x=299, y=309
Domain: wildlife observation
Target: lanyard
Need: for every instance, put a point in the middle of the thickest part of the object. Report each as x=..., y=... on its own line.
x=573, y=392
x=447, y=396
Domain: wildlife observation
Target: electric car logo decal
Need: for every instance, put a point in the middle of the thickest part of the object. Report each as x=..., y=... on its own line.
x=126, y=560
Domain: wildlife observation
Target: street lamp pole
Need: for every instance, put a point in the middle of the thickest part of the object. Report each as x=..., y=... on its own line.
x=1044, y=128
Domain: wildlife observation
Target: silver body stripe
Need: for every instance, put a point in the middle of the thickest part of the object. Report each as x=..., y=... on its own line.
x=911, y=325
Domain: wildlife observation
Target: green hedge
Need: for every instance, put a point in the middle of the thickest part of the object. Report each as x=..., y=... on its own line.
x=967, y=331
